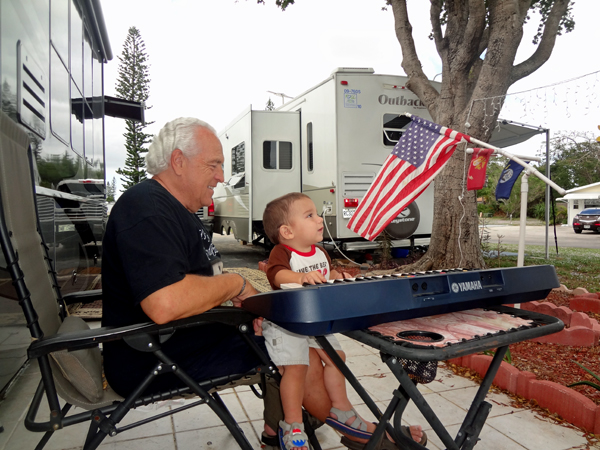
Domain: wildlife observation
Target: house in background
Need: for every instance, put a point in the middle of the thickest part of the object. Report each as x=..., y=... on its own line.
x=581, y=198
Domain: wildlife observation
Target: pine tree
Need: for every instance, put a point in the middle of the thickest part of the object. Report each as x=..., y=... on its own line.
x=133, y=83
x=270, y=105
x=111, y=190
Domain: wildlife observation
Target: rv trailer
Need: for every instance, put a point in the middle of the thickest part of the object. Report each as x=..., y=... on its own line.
x=328, y=143
x=51, y=68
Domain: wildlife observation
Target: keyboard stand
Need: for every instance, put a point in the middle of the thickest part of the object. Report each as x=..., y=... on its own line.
x=391, y=352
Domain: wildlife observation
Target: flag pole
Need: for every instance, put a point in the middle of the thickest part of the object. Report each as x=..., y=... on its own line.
x=523, y=157
x=529, y=170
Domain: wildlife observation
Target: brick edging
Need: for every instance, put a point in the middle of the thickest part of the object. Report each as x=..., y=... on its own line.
x=582, y=331
x=572, y=406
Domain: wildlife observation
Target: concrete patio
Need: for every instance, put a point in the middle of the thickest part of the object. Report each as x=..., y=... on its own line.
x=507, y=428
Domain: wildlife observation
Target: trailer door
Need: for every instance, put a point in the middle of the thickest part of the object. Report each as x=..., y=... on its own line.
x=275, y=158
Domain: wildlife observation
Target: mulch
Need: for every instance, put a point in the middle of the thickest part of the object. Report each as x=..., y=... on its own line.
x=556, y=363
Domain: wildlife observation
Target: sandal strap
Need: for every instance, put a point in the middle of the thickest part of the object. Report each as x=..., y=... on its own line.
x=344, y=416
x=295, y=437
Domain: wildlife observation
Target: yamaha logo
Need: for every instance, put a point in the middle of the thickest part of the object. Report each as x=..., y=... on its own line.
x=466, y=286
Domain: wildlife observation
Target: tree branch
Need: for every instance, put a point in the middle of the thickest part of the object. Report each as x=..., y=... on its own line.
x=546, y=45
x=441, y=44
x=474, y=31
x=417, y=80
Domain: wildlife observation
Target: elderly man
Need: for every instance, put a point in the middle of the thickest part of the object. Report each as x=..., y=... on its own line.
x=159, y=263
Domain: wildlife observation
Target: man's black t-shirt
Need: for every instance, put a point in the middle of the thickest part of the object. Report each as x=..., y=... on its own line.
x=151, y=242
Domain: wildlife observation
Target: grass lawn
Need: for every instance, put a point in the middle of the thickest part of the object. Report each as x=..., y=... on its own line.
x=575, y=267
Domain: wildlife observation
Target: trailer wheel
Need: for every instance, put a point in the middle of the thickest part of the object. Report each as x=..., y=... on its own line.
x=406, y=223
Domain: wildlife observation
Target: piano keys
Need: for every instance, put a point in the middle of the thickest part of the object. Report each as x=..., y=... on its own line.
x=354, y=305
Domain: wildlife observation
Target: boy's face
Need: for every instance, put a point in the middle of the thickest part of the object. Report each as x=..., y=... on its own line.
x=305, y=225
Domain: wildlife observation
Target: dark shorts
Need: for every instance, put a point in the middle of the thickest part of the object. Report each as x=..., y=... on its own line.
x=205, y=352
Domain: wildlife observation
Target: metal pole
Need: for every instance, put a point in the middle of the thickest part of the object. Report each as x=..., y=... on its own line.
x=547, y=189
x=523, y=219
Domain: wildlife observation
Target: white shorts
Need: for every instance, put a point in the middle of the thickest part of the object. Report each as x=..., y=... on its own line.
x=290, y=349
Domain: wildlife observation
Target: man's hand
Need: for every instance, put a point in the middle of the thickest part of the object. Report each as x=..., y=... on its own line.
x=249, y=291
x=314, y=277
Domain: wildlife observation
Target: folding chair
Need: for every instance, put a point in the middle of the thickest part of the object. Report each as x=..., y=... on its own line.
x=68, y=351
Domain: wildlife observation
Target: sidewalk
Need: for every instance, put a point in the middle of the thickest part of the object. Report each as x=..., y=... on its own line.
x=507, y=428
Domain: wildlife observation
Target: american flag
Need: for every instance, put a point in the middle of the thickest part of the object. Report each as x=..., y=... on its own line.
x=417, y=158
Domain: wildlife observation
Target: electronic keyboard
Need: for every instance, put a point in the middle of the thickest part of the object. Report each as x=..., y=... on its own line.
x=362, y=302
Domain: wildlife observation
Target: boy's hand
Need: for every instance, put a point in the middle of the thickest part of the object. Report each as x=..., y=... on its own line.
x=257, y=323
x=314, y=277
x=335, y=275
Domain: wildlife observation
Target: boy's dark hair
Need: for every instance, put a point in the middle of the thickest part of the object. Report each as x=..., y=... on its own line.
x=276, y=214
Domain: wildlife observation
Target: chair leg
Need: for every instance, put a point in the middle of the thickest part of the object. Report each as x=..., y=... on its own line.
x=213, y=401
x=44, y=440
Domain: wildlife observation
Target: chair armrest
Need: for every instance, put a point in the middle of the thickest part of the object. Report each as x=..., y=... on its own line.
x=76, y=340
x=83, y=296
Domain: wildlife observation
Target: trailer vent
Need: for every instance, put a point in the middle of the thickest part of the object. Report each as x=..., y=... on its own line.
x=355, y=185
x=31, y=92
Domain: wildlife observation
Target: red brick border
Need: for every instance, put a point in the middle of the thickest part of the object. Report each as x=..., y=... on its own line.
x=582, y=330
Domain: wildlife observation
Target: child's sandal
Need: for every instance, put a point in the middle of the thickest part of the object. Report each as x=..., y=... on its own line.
x=358, y=428
x=292, y=436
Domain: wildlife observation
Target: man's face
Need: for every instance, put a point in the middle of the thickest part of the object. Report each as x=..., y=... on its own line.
x=203, y=171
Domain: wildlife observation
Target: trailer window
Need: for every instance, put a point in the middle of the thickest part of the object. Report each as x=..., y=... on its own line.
x=238, y=158
x=59, y=28
x=277, y=155
x=393, y=128
x=60, y=108
x=309, y=140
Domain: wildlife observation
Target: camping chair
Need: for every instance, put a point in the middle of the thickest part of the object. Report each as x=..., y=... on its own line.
x=67, y=350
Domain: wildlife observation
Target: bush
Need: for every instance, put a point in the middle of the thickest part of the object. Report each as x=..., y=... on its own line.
x=486, y=209
x=560, y=211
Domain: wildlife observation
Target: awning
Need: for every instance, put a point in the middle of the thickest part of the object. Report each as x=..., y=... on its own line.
x=512, y=133
x=588, y=196
x=97, y=107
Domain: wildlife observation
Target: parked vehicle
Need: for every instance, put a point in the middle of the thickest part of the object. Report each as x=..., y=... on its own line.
x=587, y=219
x=329, y=143
x=207, y=215
x=51, y=66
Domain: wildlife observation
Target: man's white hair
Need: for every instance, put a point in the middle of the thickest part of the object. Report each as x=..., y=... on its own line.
x=178, y=133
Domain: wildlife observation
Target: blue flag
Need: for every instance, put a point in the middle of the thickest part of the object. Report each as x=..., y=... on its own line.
x=509, y=175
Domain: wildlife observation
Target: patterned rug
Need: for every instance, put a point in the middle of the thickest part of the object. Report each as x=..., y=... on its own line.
x=89, y=311
x=93, y=311
x=257, y=277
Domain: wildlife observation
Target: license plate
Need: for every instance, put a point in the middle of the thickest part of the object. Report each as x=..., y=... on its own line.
x=587, y=227
x=348, y=213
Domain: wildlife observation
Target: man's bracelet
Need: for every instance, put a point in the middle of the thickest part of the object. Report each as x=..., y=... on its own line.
x=243, y=286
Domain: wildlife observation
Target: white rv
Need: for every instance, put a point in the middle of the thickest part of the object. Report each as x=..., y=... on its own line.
x=329, y=143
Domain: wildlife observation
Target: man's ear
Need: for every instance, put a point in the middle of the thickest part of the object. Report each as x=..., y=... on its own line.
x=285, y=232
x=177, y=161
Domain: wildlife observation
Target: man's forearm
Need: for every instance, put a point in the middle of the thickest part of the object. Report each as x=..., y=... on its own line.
x=190, y=296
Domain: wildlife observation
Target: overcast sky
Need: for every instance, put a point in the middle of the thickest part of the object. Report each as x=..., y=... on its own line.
x=211, y=59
